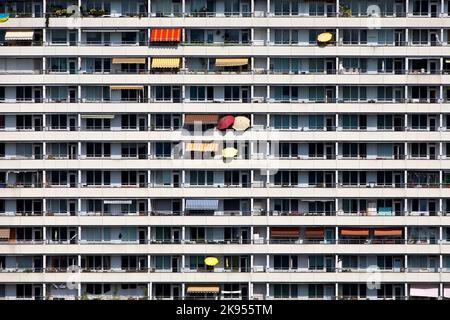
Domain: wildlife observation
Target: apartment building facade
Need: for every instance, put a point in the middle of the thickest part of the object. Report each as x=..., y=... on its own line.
x=212, y=149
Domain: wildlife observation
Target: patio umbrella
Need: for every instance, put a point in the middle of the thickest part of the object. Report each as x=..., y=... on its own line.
x=211, y=261
x=225, y=122
x=4, y=17
x=241, y=123
x=325, y=37
x=229, y=152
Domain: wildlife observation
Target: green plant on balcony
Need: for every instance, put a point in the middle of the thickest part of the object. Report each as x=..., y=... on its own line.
x=96, y=12
x=345, y=11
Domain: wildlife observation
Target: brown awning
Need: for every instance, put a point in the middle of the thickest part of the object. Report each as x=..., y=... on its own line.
x=397, y=232
x=203, y=288
x=285, y=232
x=355, y=232
x=203, y=118
x=314, y=232
x=4, y=233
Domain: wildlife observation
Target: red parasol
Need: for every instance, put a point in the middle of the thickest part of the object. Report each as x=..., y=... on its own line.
x=225, y=122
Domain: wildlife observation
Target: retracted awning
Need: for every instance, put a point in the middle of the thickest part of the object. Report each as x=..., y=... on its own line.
x=231, y=62
x=285, y=232
x=203, y=288
x=355, y=232
x=397, y=232
x=127, y=87
x=202, y=146
x=424, y=290
x=165, y=63
x=203, y=118
x=97, y=116
x=19, y=35
x=117, y=202
x=4, y=233
x=202, y=204
x=165, y=35
x=128, y=60
x=314, y=232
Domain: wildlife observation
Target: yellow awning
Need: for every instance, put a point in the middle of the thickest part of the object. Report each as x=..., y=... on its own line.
x=204, y=288
x=325, y=37
x=128, y=60
x=19, y=35
x=127, y=87
x=167, y=63
x=231, y=62
x=202, y=146
x=229, y=152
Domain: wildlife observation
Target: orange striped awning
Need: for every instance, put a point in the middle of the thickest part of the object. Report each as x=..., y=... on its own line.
x=397, y=232
x=287, y=232
x=202, y=146
x=363, y=232
x=314, y=232
x=165, y=35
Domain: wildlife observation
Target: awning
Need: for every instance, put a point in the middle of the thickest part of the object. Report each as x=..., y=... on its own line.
x=203, y=288
x=128, y=60
x=424, y=290
x=97, y=116
x=202, y=146
x=325, y=37
x=165, y=35
x=285, y=232
x=4, y=233
x=19, y=35
x=202, y=204
x=355, y=232
x=389, y=232
x=314, y=232
x=231, y=62
x=241, y=123
x=165, y=63
x=127, y=87
x=117, y=202
x=203, y=118
x=446, y=292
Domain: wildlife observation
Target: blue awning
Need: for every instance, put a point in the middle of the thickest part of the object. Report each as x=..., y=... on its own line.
x=202, y=204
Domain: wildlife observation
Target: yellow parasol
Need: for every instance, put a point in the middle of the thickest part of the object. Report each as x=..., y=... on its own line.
x=229, y=152
x=325, y=37
x=211, y=261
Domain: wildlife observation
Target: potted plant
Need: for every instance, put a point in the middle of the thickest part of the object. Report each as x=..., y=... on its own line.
x=345, y=11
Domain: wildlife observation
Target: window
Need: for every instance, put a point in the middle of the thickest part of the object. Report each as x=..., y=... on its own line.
x=98, y=288
x=201, y=93
x=283, y=291
x=163, y=149
x=129, y=121
x=162, y=262
x=232, y=93
x=354, y=94
x=58, y=64
x=419, y=121
x=285, y=262
x=98, y=124
x=59, y=36
x=316, y=122
x=315, y=291
x=284, y=122
x=24, y=93
x=196, y=262
x=286, y=178
x=98, y=178
x=202, y=178
x=58, y=121
x=315, y=262
x=98, y=150
x=354, y=36
x=384, y=122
